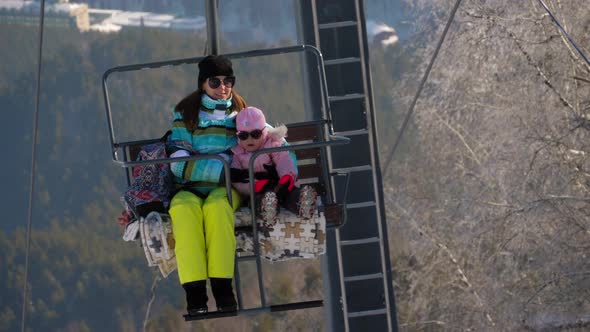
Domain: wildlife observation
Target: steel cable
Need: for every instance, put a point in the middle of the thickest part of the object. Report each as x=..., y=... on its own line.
x=570, y=39
x=33, y=166
x=420, y=88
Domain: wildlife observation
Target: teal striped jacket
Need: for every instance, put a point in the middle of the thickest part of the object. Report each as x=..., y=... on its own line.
x=215, y=134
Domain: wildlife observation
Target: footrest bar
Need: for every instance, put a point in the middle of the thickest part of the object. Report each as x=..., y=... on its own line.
x=210, y=315
x=367, y=313
x=253, y=311
x=297, y=305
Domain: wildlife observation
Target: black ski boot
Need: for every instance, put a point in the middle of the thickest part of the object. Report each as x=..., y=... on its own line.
x=224, y=294
x=196, y=297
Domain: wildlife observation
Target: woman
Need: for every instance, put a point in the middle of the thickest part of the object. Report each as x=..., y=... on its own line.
x=202, y=218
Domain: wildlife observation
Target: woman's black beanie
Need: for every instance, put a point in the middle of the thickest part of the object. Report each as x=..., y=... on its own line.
x=214, y=65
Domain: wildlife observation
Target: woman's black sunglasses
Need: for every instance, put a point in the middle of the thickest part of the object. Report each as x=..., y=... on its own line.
x=256, y=133
x=215, y=82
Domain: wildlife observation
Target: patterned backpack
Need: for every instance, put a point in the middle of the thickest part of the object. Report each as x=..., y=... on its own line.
x=151, y=187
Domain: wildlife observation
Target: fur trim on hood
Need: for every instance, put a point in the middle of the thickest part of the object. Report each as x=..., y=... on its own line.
x=277, y=133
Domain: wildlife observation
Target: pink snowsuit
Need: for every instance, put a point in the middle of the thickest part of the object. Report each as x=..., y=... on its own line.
x=284, y=162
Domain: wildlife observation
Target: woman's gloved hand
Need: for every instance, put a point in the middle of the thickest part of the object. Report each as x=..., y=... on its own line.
x=272, y=171
x=238, y=175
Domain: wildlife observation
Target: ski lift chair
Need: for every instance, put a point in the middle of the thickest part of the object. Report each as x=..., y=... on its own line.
x=309, y=140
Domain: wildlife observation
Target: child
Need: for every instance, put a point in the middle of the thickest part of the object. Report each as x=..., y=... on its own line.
x=276, y=173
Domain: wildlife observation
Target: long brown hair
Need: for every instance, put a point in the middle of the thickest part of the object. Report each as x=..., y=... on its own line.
x=189, y=107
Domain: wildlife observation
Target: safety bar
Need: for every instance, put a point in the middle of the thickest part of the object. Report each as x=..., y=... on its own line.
x=334, y=140
x=239, y=55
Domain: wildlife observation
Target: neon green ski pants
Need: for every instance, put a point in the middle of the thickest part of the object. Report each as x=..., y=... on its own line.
x=204, y=234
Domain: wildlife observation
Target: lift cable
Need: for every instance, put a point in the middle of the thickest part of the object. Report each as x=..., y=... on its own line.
x=570, y=39
x=33, y=165
x=420, y=88
x=212, y=10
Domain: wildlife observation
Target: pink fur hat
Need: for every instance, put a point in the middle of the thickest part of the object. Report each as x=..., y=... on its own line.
x=250, y=118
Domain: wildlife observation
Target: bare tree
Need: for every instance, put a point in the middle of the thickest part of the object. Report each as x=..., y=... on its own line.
x=489, y=205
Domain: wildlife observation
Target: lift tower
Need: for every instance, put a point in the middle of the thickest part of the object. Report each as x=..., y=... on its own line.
x=359, y=294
